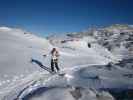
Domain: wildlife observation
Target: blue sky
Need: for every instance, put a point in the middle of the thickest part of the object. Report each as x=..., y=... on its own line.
x=44, y=17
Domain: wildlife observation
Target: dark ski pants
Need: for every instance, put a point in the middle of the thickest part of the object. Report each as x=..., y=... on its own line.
x=54, y=63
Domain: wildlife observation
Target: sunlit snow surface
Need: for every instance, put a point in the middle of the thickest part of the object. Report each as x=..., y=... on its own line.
x=84, y=68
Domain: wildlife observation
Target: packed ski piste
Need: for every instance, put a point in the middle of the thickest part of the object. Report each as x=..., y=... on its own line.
x=91, y=65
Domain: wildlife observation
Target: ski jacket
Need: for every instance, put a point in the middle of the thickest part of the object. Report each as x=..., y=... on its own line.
x=54, y=55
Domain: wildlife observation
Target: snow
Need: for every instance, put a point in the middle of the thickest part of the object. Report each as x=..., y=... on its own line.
x=16, y=50
x=5, y=28
x=86, y=71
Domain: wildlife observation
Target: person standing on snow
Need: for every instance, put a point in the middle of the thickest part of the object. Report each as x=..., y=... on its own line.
x=54, y=59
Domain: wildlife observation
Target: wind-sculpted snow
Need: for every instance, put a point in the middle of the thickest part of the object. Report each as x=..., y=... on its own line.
x=88, y=78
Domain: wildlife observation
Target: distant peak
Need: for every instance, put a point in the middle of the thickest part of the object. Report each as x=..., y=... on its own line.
x=4, y=28
x=19, y=30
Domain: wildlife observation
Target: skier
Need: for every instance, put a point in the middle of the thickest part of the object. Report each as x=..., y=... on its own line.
x=89, y=45
x=54, y=59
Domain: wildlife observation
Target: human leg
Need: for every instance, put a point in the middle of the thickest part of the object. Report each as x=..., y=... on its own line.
x=56, y=65
x=52, y=65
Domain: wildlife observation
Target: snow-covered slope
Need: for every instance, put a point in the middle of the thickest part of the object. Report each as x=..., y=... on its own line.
x=16, y=49
x=83, y=82
x=87, y=73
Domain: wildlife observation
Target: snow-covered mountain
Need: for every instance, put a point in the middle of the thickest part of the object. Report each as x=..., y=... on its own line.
x=116, y=38
x=83, y=58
